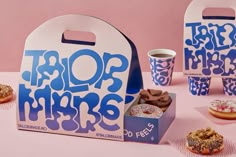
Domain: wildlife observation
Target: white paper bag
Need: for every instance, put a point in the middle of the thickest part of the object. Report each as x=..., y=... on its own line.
x=209, y=42
x=71, y=88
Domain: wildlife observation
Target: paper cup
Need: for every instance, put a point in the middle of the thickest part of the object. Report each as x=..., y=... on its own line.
x=199, y=85
x=162, y=65
x=229, y=86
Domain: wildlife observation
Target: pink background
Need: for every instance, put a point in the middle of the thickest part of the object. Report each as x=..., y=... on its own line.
x=149, y=24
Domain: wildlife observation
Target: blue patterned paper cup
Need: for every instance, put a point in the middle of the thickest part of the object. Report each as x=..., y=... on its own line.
x=229, y=86
x=162, y=64
x=199, y=85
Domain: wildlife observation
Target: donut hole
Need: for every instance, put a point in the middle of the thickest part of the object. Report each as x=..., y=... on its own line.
x=147, y=112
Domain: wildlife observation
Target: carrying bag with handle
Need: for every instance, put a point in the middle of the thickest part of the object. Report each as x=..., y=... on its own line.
x=209, y=41
x=77, y=87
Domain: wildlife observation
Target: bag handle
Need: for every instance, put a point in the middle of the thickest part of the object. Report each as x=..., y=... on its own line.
x=197, y=6
x=51, y=32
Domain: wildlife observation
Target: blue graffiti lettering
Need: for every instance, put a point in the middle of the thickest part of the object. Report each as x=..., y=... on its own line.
x=210, y=48
x=53, y=89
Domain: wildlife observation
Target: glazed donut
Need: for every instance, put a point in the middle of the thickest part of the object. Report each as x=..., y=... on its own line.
x=224, y=109
x=204, y=142
x=146, y=110
x=6, y=93
x=164, y=108
x=161, y=103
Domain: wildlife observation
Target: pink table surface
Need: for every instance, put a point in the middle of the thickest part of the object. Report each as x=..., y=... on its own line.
x=26, y=144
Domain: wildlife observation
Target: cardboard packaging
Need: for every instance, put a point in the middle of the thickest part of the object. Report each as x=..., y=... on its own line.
x=209, y=46
x=149, y=130
x=75, y=87
x=209, y=41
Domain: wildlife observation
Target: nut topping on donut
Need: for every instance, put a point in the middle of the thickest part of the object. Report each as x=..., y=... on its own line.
x=205, y=141
x=5, y=91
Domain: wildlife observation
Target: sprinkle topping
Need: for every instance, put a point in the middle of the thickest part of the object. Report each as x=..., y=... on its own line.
x=223, y=105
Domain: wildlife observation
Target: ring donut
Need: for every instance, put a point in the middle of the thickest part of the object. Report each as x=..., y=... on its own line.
x=146, y=110
x=160, y=103
x=224, y=109
x=6, y=93
x=154, y=97
x=204, y=142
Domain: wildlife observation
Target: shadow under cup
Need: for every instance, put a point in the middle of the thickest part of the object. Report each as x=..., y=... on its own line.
x=162, y=64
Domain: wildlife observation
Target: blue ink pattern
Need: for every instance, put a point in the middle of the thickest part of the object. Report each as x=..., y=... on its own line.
x=208, y=50
x=229, y=86
x=199, y=86
x=51, y=91
x=161, y=70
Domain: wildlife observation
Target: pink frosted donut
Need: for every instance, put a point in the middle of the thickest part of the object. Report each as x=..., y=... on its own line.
x=146, y=110
x=224, y=109
x=224, y=106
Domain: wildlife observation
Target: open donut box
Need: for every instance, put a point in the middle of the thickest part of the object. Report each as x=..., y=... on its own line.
x=148, y=130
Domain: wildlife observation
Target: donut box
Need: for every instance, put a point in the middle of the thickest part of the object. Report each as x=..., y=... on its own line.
x=77, y=87
x=146, y=129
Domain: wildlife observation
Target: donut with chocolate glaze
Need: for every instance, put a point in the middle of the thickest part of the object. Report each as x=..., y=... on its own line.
x=155, y=97
x=205, y=142
x=6, y=93
x=161, y=103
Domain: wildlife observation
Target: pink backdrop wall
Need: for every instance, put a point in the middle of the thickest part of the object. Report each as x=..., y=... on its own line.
x=149, y=24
